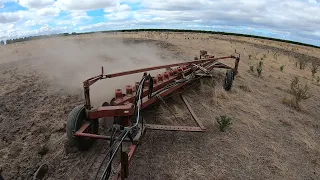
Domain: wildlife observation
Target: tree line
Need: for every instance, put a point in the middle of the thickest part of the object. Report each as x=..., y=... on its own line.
x=9, y=41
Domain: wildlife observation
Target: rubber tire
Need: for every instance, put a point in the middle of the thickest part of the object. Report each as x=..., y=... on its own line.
x=74, y=122
x=228, y=80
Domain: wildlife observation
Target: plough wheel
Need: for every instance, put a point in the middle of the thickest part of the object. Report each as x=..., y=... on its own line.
x=228, y=80
x=76, y=119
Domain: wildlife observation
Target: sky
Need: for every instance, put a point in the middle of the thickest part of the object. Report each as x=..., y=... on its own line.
x=297, y=20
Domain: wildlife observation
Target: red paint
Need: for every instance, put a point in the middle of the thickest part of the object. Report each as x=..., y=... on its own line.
x=155, y=81
x=129, y=90
x=111, y=111
x=165, y=75
x=118, y=94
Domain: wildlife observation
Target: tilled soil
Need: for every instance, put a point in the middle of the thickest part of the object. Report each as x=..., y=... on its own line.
x=267, y=139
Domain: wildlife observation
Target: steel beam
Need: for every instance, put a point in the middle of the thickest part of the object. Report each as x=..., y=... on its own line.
x=174, y=128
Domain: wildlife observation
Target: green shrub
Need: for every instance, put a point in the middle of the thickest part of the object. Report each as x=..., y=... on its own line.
x=260, y=63
x=223, y=122
x=259, y=68
x=299, y=91
x=251, y=69
x=281, y=68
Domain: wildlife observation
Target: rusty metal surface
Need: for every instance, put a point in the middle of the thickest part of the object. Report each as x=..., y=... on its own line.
x=81, y=133
x=94, y=79
x=93, y=136
x=145, y=91
x=174, y=128
x=165, y=66
x=146, y=101
x=182, y=68
x=164, y=84
x=111, y=111
x=195, y=117
x=84, y=127
x=133, y=149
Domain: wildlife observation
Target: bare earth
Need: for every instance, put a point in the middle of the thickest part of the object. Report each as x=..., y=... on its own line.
x=41, y=83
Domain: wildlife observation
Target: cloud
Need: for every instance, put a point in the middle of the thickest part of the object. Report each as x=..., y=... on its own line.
x=36, y=4
x=292, y=19
x=85, y=4
x=313, y=1
x=47, y=30
x=283, y=16
x=119, y=12
x=31, y=23
x=118, y=8
x=176, y=5
x=130, y=1
x=79, y=17
x=48, y=11
x=118, y=15
x=9, y=17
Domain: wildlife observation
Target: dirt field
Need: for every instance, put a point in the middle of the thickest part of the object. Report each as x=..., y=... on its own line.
x=41, y=83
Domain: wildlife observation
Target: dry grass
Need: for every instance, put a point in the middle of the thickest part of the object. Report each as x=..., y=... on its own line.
x=245, y=88
x=314, y=69
x=291, y=101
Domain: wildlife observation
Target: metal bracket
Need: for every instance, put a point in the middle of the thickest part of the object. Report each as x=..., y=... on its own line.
x=174, y=128
x=195, y=117
x=201, y=127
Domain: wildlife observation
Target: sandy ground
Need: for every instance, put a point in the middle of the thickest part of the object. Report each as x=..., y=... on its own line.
x=41, y=83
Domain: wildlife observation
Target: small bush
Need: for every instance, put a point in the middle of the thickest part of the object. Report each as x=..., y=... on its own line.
x=251, y=69
x=318, y=79
x=302, y=63
x=264, y=56
x=275, y=55
x=291, y=102
x=259, y=68
x=260, y=63
x=250, y=56
x=245, y=88
x=223, y=122
x=281, y=68
x=299, y=91
x=314, y=69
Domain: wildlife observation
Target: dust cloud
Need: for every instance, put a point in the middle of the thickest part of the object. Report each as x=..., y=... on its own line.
x=67, y=63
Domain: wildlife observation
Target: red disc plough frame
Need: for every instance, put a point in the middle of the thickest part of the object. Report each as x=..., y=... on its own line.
x=124, y=109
